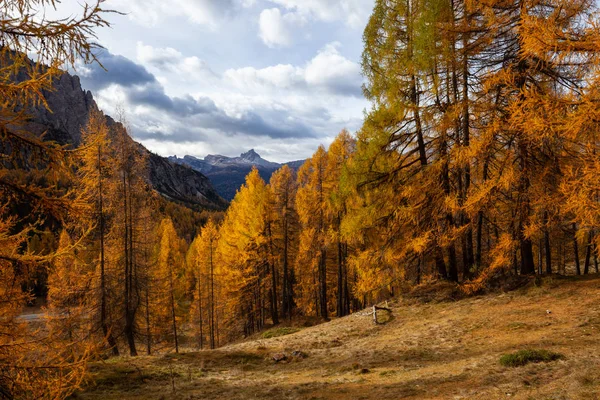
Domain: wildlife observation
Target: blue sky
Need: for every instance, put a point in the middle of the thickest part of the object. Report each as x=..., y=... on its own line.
x=203, y=77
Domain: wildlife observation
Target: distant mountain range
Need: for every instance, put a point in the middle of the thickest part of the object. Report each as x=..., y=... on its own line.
x=228, y=174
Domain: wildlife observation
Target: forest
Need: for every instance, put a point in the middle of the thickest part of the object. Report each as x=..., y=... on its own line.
x=476, y=163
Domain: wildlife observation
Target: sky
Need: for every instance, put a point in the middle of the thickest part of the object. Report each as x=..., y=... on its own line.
x=198, y=77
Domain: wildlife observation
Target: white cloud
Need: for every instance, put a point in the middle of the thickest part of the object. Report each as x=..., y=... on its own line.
x=209, y=13
x=276, y=150
x=329, y=71
x=273, y=29
x=171, y=60
x=353, y=12
x=278, y=76
x=332, y=70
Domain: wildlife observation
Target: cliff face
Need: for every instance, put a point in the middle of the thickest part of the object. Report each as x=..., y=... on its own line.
x=70, y=106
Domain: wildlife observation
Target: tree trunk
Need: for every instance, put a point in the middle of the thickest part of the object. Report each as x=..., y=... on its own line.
x=346, y=291
x=273, y=291
x=173, y=316
x=548, y=251
x=112, y=344
x=540, y=256
x=576, y=250
x=595, y=258
x=340, y=275
x=212, y=298
x=129, y=334
x=527, y=264
x=133, y=284
x=148, y=333
x=286, y=303
x=588, y=253
x=323, y=284
x=201, y=341
x=523, y=210
x=479, y=234
x=439, y=262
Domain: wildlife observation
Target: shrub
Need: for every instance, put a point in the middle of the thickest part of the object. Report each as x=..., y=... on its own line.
x=524, y=357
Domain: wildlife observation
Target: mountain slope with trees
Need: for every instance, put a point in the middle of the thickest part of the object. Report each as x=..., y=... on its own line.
x=71, y=106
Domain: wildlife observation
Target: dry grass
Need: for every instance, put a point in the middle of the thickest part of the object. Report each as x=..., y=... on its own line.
x=437, y=350
x=276, y=332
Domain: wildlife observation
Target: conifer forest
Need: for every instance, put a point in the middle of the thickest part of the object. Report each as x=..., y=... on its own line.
x=475, y=170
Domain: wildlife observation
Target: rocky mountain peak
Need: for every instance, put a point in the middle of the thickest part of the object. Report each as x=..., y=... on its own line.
x=250, y=156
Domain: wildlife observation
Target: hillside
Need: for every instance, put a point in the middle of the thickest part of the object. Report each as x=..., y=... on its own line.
x=70, y=106
x=436, y=350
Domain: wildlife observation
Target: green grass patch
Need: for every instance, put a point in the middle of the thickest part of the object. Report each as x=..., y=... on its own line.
x=524, y=357
x=275, y=332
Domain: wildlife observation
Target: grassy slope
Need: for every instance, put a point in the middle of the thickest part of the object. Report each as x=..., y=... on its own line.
x=446, y=350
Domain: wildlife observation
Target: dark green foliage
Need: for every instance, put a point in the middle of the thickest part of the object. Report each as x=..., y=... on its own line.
x=524, y=357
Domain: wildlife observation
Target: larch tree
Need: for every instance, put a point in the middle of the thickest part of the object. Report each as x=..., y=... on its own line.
x=94, y=158
x=338, y=154
x=285, y=231
x=32, y=173
x=537, y=66
x=202, y=259
x=245, y=254
x=168, y=286
x=311, y=205
x=410, y=127
x=128, y=191
x=68, y=313
x=196, y=269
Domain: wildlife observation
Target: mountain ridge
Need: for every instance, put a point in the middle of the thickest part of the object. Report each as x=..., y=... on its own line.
x=228, y=174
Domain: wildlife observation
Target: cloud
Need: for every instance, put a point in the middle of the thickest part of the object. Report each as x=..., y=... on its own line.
x=333, y=71
x=153, y=95
x=158, y=115
x=278, y=150
x=272, y=28
x=279, y=76
x=205, y=124
x=172, y=60
x=353, y=12
x=209, y=13
x=329, y=71
x=117, y=70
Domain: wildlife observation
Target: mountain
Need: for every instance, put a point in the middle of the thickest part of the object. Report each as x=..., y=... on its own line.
x=248, y=158
x=71, y=105
x=227, y=174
